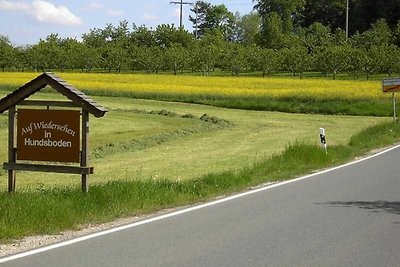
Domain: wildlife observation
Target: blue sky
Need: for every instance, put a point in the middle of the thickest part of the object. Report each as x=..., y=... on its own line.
x=28, y=21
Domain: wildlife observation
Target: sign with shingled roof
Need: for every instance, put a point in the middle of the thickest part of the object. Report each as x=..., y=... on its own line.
x=50, y=131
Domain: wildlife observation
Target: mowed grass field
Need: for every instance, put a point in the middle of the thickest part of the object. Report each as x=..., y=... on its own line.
x=132, y=143
x=169, y=141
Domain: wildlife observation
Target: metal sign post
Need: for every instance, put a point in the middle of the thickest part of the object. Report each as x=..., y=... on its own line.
x=392, y=85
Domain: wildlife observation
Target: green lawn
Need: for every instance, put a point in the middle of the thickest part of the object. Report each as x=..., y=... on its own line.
x=127, y=144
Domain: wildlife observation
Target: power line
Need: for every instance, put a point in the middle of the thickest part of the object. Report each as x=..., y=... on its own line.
x=347, y=19
x=180, y=16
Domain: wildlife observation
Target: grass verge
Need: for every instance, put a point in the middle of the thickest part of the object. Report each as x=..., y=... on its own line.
x=53, y=210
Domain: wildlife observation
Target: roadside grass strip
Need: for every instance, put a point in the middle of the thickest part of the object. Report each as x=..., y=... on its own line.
x=181, y=211
x=53, y=210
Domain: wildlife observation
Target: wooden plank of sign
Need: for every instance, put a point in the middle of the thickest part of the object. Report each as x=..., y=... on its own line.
x=85, y=149
x=48, y=103
x=11, y=149
x=48, y=168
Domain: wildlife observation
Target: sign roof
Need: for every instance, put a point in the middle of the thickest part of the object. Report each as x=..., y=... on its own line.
x=60, y=86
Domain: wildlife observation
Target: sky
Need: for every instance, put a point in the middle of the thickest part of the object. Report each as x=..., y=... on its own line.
x=27, y=21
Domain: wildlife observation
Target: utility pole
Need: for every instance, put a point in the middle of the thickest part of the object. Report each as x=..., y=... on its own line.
x=347, y=19
x=180, y=16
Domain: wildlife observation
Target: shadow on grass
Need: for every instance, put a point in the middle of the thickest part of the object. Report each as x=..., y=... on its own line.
x=372, y=206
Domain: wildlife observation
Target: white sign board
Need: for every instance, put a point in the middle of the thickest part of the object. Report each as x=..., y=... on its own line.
x=391, y=85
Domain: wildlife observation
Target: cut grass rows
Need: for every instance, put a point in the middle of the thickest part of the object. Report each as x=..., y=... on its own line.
x=151, y=146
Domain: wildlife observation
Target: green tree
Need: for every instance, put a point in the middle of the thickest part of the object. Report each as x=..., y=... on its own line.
x=6, y=53
x=317, y=35
x=151, y=59
x=334, y=59
x=204, y=56
x=248, y=28
x=356, y=62
x=142, y=36
x=330, y=13
x=235, y=58
x=167, y=36
x=210, y=17
x=386, y=58
x=379, y=34
x=272, y=35
x=265, y=60
x=47, y=54
x=396, y=34
x=296, y=60
x=366, y=12
x=21, y=60
x=287, y=10
x=176, y=58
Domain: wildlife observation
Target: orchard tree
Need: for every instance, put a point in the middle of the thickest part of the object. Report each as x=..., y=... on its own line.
x=235, y=58
x=71, y=53
x=151, y=59
x=114, y=56
x=6, y=53
x=176, y=58
x=134, y=57
x=263, y=59
x=47, y=54
x=167, y=35
x=296, y=60
x=316, y=36
x=94, y=38
x=142, y=36
x=21, y=60
x=356, y=61
x=334, y=59
x=386, y=58
x=204, y=57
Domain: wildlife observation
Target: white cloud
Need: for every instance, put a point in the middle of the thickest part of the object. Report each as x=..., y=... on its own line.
x=116, y=12
x=43, y=12
x=147, y=16
x=91, y=7
x=8, y=5
x=46, y=12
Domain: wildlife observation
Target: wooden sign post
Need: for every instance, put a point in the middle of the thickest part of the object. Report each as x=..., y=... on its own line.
x=54, y=131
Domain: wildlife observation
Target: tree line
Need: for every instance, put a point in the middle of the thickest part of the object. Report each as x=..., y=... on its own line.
x=283, y=35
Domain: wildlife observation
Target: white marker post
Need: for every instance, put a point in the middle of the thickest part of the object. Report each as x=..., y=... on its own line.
x=323, y=139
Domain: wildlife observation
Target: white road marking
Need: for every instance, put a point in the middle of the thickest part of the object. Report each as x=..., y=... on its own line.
x=176, y=213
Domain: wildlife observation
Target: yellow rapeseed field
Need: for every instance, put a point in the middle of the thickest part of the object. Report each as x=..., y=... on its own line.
x=143, y=84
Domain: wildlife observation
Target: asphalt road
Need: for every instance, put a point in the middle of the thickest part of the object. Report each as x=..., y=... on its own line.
x=345, y=217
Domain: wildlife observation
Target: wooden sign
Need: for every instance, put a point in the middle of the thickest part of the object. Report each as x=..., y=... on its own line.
x=48, y=135
x=44, y=133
